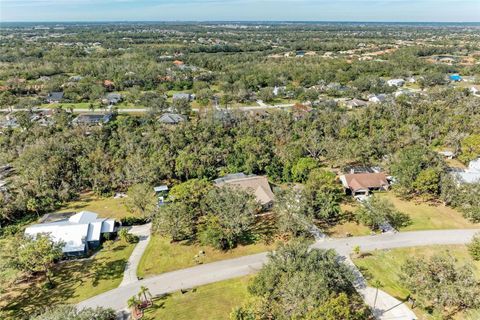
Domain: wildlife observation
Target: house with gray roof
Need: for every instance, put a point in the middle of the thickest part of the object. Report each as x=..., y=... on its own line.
x=80, y=233
x=91, y=119
x=55, y=97
x=172, y=118
x=184, y=96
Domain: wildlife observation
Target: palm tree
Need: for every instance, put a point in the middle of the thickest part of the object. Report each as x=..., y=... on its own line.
x=132, y=304
x=143, y=292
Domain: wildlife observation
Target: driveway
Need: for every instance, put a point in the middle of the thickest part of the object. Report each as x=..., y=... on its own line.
x=130, y=273
x=233, y=268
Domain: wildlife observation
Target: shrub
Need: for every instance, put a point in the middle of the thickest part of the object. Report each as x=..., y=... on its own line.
x=474, y=248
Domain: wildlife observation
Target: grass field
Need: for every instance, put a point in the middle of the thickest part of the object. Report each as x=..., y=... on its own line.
x=384, y=266
x=211, y=302
x=425, y=216
x=75, y=281
x=162, y=256
x=105, y=207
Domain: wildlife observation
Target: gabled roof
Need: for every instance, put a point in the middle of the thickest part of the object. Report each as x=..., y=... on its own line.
x=172, y=118
x=55, y=96
x=364, y=181
x=258, y=185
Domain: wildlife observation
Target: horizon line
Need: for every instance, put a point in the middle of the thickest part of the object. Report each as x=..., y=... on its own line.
x=232, y=21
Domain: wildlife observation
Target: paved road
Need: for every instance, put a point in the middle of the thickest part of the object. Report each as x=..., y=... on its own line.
x=233, y=268
x=130, y=273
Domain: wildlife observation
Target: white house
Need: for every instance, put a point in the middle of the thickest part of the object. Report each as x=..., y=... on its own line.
x=80, y=233
x=471, y=174
x=396, y=82
x=377, y=98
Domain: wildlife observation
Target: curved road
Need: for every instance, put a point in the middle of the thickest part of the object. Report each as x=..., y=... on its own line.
x=227, y=269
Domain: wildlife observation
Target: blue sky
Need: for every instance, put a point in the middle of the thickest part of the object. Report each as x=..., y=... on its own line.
x=305, y=10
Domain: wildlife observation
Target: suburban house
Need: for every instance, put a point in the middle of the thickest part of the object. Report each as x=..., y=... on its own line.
x=355, y=103
x=172, y=118
x=377, y=98
x=81, y=232
x=55, y=97
x=112, y=98
x=469, y=175
x=257, y=185
x=396, y=82
x=362, y=184
x=92, y=119
x=184, y=96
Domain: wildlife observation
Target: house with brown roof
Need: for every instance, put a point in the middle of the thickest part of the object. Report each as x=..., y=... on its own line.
x=257, y=185
x=362, y=184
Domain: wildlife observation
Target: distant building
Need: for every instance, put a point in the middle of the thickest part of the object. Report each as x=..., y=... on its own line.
x=377, y=98
x=80, y=233
x=172, y=118
x=396, y=82
x=257, y=185
x=92, y=119
x=475, y=90
x=355, y=103
x=55, y=97
x=161, y=192
x=112, y=98
x=455, y=78
x=471, y=174
x=184, y=96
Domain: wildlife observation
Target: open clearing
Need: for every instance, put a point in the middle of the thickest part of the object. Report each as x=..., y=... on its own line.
x=213, y=302
x=385, y=266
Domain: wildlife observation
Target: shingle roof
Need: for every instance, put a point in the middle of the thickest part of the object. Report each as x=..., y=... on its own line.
x=364, y=181
x=258, y=185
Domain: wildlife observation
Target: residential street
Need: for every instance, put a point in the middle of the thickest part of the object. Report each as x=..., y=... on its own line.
x=227, y=269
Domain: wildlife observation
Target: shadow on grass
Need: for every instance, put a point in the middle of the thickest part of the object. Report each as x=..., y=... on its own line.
x=74, y=280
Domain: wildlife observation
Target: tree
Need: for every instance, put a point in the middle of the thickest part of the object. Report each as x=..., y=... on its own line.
x=414, y=163
x=439, y=282
x=377, y=212
x=302, y=169
x=72, y=313
x=291, y=213
x=230, y=216
x=182, y=106
x=141, y=199
x=323, y=195
x=474, y=247
x=266, y=94
x=175, y=219
x=470, y=148
x=38, y=254
x=296, y=280
x=154, y=102
x=340, y=307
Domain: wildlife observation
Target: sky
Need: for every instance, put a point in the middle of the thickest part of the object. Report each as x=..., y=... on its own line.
x=238, y=10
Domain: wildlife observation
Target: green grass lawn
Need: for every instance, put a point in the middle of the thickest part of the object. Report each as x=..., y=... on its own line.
x=213, y=302
x=425, y=216
x=75, y=280
x=162, y=256
x=384, y=266
x=105, y=207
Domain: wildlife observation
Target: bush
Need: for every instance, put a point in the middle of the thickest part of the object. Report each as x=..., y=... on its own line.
x=474, y=248
x=131, y=221
x=71, y=313
x=127, y=237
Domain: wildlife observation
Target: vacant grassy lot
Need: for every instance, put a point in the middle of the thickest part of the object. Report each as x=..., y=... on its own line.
x=213, y=302
x=424, y=216
x=162, y=256
x=385, y=267
x=105, y=207
x=75, y=281
x=429, y=217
